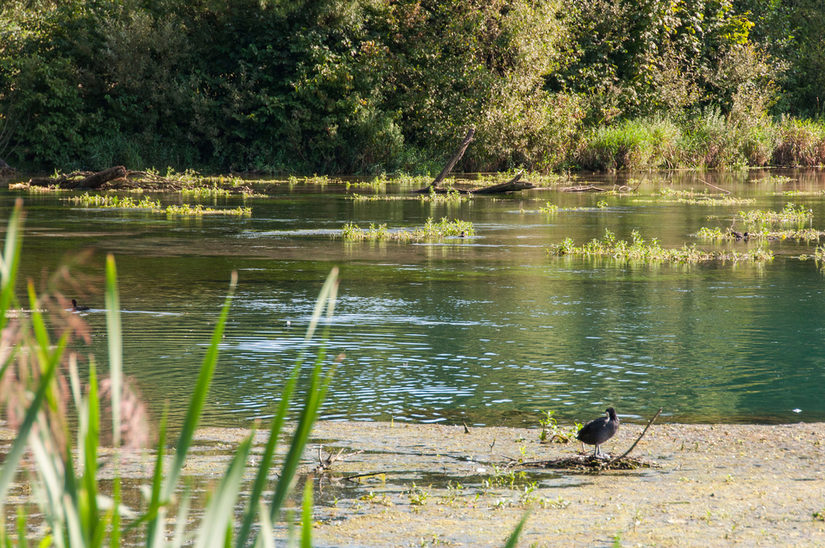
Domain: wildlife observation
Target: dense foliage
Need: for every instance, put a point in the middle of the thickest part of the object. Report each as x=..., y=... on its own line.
x=358, y=86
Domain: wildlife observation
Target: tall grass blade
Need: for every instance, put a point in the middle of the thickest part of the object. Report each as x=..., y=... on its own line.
x=266, y=459
x=198, y=396
x=312, y=403
x=181, y=518
x=219, y=511
x=512, y=540
x=22, y=541
x=154, y=528
x=266, y=539
x=18, y=447
x=306, y=516
x=114, y=538
x=10, y=261
x=90, y=443
x=115, y=338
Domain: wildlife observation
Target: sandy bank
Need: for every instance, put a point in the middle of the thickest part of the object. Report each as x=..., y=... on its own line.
x=714, y=485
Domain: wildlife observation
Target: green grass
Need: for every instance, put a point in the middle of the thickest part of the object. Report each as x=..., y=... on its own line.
x=637, y=250
x=431, y=231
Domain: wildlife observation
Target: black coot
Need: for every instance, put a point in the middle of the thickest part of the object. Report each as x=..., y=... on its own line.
x=598, y=431
x=77, y=308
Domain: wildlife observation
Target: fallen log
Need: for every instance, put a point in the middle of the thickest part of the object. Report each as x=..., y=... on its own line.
x=96, y=180
x=512, y=185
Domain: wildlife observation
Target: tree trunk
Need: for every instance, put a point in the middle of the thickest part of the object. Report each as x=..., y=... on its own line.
x=451, y=164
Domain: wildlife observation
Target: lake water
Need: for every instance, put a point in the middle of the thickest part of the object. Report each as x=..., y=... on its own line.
x=485, y=330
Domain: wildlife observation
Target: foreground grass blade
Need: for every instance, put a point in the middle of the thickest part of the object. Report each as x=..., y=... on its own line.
x=196, y=404
x=306, y=516
x=219, y=511
x=115, y=339
x=90, y=512
x=314, y=398
x=266, y=458
x=19, y=445
x=512, y=540
x=10, y=261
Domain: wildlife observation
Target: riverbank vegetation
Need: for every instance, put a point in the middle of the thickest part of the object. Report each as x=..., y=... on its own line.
x=367, y=86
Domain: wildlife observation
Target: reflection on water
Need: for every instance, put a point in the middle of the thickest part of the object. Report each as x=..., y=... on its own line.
x=486, y=330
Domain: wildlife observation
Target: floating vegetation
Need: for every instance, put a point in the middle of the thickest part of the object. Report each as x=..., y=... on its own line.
x=818, y=257
x=380, y=182
x=716, y=234
x=35, y=189
x=320, y=180
x=127, y=202
x=113, y=201
x=639, y=250
x=551, y=208
x=450, y=197
x=790, y=215
x=700, y=198
x=774, y=179
x=601, y=204
x=800, y=193
x=432, y=231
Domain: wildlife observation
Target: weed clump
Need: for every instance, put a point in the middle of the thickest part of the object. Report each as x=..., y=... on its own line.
x=432, y=231
x=640, y=251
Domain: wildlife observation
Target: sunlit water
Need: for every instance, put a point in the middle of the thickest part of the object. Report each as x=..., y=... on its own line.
x=485, y=330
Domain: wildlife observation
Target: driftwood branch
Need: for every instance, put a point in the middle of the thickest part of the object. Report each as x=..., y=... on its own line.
x=626, y=453
x=582, y=188
x=716, y=187
x=453, y=161
x=513, y=184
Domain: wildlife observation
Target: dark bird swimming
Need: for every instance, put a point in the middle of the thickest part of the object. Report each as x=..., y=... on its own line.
x=598, y=431
x=78, y=308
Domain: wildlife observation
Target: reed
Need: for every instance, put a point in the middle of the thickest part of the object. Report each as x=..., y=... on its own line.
x=66, y=472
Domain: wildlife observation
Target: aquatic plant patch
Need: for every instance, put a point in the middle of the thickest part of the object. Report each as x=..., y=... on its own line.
x=106, y=201
x=640, y=251
x=789, y=215
x=670, y=195
x=449, y=197
x=431, y=231
x=716, y=234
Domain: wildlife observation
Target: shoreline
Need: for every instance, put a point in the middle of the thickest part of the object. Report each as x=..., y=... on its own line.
x=432, y=484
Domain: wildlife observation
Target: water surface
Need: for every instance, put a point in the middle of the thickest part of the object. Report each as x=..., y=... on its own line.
x=485, y=330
